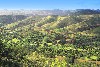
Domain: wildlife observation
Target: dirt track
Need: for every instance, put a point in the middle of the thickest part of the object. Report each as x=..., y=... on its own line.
x=80, y=60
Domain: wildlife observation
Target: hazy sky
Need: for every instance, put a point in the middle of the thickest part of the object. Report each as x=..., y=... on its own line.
x=49, y=4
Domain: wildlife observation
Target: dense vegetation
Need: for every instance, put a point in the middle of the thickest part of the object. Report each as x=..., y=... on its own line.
x=50, y=41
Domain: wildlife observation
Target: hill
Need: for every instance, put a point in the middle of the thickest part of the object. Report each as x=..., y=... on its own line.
x=50, y=41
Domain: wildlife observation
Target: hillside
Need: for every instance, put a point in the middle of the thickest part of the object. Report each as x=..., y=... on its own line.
x=50, y=41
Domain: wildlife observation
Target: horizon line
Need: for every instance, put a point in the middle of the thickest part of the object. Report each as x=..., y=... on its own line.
x=51, y=9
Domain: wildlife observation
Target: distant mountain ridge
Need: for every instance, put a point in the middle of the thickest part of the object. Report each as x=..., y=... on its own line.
x=49, y=12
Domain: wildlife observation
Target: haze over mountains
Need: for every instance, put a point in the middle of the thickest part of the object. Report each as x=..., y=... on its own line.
x=48, y=12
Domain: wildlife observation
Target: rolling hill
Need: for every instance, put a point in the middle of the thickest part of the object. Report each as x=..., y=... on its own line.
x=68, y=40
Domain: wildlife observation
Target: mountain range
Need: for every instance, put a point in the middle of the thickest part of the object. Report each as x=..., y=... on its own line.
x=48, y=12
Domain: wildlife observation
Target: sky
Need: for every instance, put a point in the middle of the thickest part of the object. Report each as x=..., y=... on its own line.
x=50, y=4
